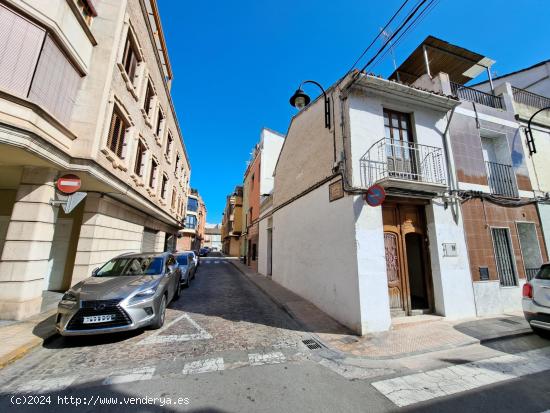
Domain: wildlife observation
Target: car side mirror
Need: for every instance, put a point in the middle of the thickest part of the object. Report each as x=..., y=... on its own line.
x=95, y=271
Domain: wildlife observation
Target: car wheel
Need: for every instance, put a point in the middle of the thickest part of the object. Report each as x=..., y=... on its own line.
x=541, y=332
x=159, y=322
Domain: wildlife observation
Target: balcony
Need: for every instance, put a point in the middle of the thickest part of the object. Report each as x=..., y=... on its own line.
x=473, y=95
x=405, y=165
x=530, y=99
x=501, y=179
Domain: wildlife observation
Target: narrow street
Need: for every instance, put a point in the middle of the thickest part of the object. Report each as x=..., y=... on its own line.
x=226, y=347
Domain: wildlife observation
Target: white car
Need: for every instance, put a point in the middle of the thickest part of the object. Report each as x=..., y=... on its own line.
x=536, y=301
x=193, y=256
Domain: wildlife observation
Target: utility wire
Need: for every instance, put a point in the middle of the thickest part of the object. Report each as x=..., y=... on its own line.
x=378, y=35
x=409, y=17
x=418, y=19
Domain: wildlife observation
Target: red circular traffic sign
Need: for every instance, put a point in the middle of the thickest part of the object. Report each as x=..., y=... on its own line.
x=68, y=184
x=375, y=195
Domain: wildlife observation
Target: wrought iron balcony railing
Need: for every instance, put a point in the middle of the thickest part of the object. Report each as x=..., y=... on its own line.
x=403, y=161
x=530, y=98
x=473, y=95
x=501, y=179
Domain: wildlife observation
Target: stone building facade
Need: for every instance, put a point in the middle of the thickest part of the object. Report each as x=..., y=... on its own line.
x=87, y=94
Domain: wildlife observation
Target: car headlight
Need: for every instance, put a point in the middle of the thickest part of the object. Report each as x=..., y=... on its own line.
x=143, y=295
x=68, y=299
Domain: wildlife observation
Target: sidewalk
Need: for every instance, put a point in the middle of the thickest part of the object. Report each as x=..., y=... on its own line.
x=19, y=337
x=408, y=336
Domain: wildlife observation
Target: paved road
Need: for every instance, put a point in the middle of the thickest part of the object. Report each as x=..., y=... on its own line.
x=226, y=347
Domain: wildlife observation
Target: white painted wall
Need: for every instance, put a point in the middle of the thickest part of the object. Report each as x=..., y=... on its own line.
x=366, y=119
x=263, y=226
x=491, y=298
x=536, y=80
x=371, y=266
x=452, y=282
x=314, y=254
x=272, y=144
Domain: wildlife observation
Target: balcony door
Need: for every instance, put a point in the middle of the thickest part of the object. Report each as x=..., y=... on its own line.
x=399, y=145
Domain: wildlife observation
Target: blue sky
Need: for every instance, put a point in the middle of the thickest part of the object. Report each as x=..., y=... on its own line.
x=236, y=63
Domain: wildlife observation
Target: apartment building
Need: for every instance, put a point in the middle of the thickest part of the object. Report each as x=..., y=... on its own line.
x=501, y=222
x=192, y=234
x=530, y=91
x=232, y=225
x=84, y=89
x=213, y=237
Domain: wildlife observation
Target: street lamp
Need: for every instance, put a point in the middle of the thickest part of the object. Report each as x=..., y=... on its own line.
x=300, y=100
x=530, y=139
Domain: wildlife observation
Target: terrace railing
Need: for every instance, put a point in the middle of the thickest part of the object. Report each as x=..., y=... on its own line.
x=473, y=95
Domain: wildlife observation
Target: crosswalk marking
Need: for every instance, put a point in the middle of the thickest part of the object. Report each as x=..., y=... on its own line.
x=204, y=366
x=266, y=358
x=49, y=384
x=414, y=388
x=127, y=376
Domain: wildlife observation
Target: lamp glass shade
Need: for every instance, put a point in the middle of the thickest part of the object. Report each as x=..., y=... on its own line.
x=300, y=100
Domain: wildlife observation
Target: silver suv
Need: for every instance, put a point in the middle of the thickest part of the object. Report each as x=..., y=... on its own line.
x=536, y=301
x=128, y=292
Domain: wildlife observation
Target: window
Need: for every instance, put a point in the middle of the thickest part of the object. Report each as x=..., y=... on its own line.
x=148, y=102
x=399, y=151
x=169, y=143
x=530, y=249
x=139, y=167
x=504, y=257
x=129, y=59
x=86, y=10
x=160, y=119
x=117, y=134
x=153, y=176
x=190, y=222
x=254, y=252
x=178, y=160
x=163, y=186
x=174, y=195
x=252, y=182
x=192, y=204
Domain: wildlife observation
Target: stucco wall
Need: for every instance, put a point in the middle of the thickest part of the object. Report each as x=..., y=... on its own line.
x=272, y=144
x=314, y=254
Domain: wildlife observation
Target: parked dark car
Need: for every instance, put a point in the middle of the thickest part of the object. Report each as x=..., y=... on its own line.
x=187, y=267
x=128, y=292
x=203, y=252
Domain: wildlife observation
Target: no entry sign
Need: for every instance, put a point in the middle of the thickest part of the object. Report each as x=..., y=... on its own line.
x=375, y=195
x=68, y=184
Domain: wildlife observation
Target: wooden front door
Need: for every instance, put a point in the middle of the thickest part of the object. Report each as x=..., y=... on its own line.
x=399, y=220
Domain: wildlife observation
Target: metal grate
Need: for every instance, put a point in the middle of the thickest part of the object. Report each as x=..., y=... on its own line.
x=501, y=179
x=504, y=257
x=312, y=344
x=530, y=98
x=94, y=308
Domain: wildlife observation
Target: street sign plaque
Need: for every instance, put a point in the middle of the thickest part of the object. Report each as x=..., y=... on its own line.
x=375, y=195
x=73, y=201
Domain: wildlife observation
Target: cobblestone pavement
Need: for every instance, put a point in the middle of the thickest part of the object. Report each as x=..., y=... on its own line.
x=221, y=315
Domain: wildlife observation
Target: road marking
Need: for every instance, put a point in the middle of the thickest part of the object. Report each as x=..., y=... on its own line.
x=156, y=338
x=204, y=366
x=419, y=387
x=257, y=359
x=49, y=384
x=216, y=262
x=127, y=376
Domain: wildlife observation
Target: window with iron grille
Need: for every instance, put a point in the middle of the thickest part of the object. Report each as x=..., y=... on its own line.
x=149, y=94
x=169, y=143
x=153, y=175
x=504, y=257
x=116, y=141
x=139, y=167
x=163, y=186
x=129, y=58
x=160, y=118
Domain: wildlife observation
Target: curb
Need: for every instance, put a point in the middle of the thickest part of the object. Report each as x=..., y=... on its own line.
x=23, y=349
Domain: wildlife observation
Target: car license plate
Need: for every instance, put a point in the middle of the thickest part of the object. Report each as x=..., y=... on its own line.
x=99, y=319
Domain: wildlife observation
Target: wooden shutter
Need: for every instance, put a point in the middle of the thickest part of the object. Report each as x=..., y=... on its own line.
x=117, y=133
x=20, y=43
